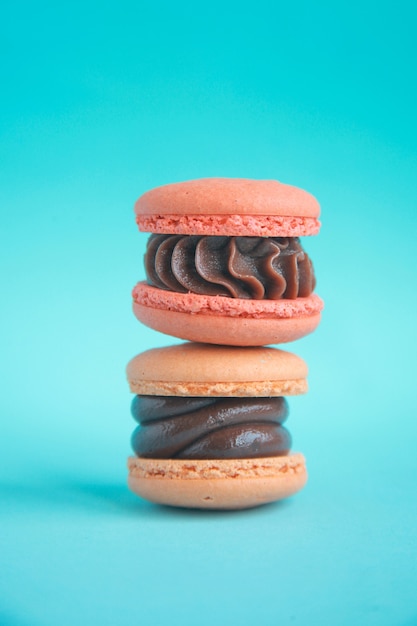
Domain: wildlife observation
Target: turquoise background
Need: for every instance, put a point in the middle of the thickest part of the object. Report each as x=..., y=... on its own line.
x=101, y=102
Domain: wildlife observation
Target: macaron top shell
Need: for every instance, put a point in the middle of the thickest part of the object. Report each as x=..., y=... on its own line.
x=197, y=369
x=224, y=196
x=228, y=207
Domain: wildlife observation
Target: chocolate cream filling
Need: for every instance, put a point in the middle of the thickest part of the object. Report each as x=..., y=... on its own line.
x=209, y=428
x=255, y=268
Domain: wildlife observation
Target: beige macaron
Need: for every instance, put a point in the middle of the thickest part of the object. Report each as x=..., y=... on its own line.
x=193, y=369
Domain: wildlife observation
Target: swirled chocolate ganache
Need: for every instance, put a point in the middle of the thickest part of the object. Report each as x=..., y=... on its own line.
x=238, y=267
x=209, y=428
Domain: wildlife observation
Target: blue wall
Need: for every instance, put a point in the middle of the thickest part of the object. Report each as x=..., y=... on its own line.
x=101, y=102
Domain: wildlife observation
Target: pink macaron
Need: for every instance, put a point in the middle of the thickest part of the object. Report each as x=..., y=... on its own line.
x=224, y=263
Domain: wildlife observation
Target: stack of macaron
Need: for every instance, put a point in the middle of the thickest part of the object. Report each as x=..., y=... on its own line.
x=226, y=272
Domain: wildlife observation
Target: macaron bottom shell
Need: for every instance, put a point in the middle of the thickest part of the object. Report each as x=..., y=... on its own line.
x=229, y=331
x=230, y=484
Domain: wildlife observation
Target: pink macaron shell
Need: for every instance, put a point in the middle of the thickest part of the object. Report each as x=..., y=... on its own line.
x=228, y=196
x=227, y=321
x=155, y=298
x=229, y=225
x=228, y=331
x=229, y=207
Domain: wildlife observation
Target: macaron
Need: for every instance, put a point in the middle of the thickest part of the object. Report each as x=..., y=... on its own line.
x=224, y=262
x=211, y=431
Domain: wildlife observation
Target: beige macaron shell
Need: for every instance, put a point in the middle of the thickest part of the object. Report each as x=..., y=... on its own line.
x=200, y=369
x=217, y=484
x=223, y=196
